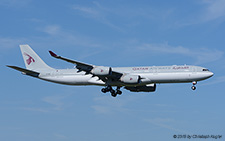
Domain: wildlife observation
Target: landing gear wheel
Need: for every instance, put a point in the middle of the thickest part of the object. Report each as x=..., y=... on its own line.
x=104, y=90
x=193, y=88
x=108, y=88
x=114, y=94
x=112, y=91
x=119, y=92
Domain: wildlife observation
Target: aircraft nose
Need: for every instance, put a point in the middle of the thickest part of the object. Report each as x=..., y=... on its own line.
x=211, y=74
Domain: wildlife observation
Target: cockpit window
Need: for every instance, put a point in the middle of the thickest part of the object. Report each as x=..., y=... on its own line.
x=205, y=70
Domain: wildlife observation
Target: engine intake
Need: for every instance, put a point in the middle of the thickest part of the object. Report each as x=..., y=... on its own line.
x=101, y=70
x=130, y=79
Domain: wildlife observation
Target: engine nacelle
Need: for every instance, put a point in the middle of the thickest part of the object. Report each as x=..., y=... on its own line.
x=130, y=79
x=101, y=70
x=145, y=88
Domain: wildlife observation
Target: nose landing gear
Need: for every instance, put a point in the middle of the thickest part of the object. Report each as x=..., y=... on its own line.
x=114, y=93
x=194, y=87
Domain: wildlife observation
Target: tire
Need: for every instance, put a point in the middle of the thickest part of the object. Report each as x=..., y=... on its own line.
x=112, y=91
x=193, y=88
x=119, y=92
x=114, y=94
x=103, y=90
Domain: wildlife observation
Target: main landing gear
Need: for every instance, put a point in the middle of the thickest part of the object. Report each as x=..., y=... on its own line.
x=114, y=93
x=194, y=87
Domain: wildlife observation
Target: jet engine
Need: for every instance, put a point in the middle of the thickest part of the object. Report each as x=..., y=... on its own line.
x=130, y=79
x=101, y=70
x=145, y=88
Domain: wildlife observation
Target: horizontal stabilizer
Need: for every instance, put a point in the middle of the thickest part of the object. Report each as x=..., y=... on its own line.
x=25, y=71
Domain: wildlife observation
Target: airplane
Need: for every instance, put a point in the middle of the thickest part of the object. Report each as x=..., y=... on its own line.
x=134, y=79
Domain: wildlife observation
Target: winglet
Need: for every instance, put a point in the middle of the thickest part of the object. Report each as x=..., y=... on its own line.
x=53, y=54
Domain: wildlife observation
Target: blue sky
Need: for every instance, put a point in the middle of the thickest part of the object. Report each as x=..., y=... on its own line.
x=112, y=33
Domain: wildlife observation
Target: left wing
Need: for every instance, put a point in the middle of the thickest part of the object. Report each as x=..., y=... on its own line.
x=104, y=73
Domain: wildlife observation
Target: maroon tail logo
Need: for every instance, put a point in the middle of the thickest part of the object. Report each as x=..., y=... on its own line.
x=30, y=59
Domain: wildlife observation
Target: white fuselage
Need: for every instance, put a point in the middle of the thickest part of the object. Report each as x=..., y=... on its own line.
x=152, y=74
x=134, y=79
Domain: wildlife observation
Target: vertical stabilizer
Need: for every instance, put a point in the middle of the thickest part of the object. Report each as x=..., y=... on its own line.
x=32, y=60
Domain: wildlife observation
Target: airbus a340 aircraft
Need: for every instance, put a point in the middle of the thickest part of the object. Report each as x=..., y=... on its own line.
x=135, y=79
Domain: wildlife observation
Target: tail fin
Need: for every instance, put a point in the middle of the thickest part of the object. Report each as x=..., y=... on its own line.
x=32, y=60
